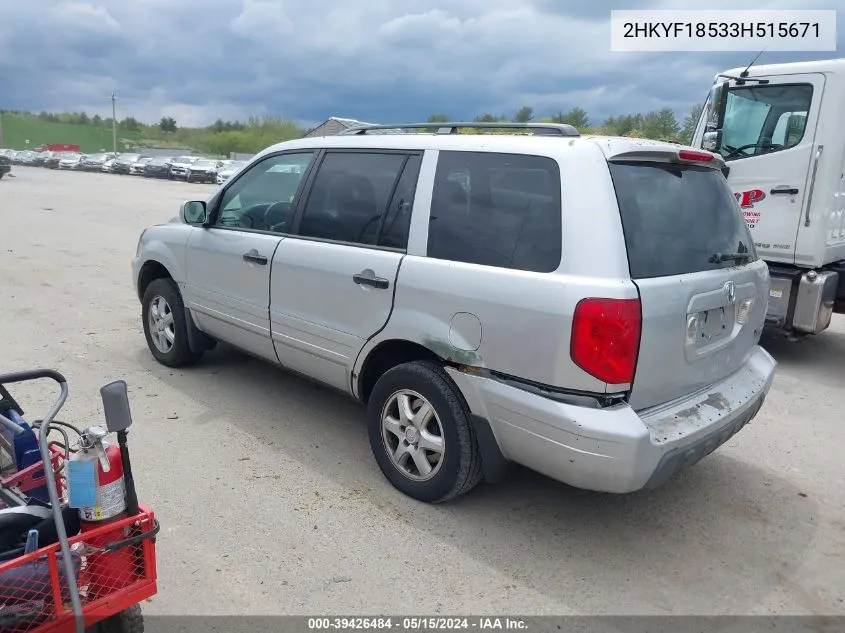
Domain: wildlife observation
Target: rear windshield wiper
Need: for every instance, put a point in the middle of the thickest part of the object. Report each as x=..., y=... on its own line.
x=718, y=258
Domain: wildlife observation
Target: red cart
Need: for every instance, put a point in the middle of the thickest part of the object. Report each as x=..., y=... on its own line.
x=92, y=580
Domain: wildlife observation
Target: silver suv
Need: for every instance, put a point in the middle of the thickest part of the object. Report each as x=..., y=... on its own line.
x=588, y=307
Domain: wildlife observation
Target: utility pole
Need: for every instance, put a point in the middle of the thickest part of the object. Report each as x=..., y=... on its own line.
x=113, y=124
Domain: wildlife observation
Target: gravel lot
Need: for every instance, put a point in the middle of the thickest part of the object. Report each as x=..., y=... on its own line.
x=270, y=501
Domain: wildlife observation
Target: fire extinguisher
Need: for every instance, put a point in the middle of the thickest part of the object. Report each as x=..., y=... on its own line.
x=110, y=570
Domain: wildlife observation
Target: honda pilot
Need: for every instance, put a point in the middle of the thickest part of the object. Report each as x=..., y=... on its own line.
x=587, y=307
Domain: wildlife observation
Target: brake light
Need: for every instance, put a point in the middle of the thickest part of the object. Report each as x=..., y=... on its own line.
x=606, y=338
x=688, y=154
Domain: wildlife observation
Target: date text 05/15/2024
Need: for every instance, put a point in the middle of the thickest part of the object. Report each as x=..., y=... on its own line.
x=413, y=623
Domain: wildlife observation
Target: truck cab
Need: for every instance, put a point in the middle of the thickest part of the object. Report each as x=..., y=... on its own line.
x=779, y=129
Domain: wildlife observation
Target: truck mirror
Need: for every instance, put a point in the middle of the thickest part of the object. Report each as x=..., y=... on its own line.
x=712, y=140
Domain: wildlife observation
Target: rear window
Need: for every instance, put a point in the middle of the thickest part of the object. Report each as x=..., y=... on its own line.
x=678, y=219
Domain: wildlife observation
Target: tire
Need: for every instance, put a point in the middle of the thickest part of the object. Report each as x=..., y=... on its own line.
x=179, y=353
x=130, y=620
x=458, y=469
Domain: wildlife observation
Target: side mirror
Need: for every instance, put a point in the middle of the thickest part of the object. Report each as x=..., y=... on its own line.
x=193, y=212
x=116, y=406
x=712, y=137
x=712, y=141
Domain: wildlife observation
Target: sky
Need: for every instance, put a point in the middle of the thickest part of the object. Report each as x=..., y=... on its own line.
x=383, y=61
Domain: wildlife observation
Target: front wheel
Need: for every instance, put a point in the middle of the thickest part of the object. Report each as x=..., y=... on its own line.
x=128, y=621
x=421, y=434
x=165, y=325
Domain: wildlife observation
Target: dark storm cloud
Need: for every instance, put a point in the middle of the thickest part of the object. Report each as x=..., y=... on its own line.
x=382, y=60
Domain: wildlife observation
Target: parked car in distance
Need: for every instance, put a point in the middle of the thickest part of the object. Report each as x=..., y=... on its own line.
x=454, y=284
x=53, y=160
x=123, y=162
x=5, y=163
x=137, y=168
x=108, y=165
x=181, y=167
x=203, y=170
x=95, y=162
x=227, y=171
x=158, y=167
x=71, y=161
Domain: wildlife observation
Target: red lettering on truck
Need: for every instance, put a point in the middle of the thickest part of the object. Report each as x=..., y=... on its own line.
x=746, y=199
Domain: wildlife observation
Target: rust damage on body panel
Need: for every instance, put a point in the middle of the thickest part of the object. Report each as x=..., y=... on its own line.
x=452, y=354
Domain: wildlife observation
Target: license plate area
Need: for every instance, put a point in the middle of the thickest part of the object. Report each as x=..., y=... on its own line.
x=709, y=331
x=715, y=325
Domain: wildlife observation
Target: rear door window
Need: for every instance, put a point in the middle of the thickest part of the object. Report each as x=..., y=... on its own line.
x=496, y=209
x=679, y=219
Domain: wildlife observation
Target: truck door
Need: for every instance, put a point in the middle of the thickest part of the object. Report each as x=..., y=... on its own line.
x=768, y=142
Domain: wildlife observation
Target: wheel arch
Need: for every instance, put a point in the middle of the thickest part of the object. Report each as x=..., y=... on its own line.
x=385, y=356
x=389, y=353
x=151, y=270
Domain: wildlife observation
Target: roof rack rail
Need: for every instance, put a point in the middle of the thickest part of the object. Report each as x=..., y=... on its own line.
x=545, y=129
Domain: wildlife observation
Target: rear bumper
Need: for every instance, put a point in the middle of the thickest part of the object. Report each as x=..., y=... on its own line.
x=617, y=449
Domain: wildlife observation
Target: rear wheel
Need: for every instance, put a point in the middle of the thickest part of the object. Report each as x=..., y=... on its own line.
x=421, y=434
x=130, y=620
x=165, y=325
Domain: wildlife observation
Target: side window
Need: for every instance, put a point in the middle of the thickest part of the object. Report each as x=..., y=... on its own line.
x=764, y=119
x=397, y=220
x=349, y=196
x=263, y=197
x=499, y=210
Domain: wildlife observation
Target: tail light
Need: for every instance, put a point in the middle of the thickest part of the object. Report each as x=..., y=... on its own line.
x=606, y=338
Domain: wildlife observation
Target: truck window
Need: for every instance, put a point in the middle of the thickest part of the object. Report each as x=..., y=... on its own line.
x=790, y=129
x=764, y=119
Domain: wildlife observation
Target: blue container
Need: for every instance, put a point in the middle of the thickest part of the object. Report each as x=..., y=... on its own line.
x=25, y=450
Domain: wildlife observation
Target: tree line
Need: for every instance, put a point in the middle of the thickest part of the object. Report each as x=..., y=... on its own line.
x=256, y=133
x=658, y=124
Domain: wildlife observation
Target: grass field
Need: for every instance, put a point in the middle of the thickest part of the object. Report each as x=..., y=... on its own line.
x=17, y=130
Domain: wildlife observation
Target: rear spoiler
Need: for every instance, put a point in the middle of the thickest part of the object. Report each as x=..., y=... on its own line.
x=679, y=156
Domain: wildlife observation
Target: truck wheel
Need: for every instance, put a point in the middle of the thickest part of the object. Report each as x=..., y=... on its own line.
x=421, y=434
x=165, y=327
x=128, y=621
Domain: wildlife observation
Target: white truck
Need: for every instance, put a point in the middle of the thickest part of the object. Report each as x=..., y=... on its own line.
x=781, y=130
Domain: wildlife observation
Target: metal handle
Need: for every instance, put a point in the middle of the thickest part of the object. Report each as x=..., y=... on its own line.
x=55, y=504
x=812, y=185
x=785, y=190
x=364, y=279
x=254, y=258
x=14, y=427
